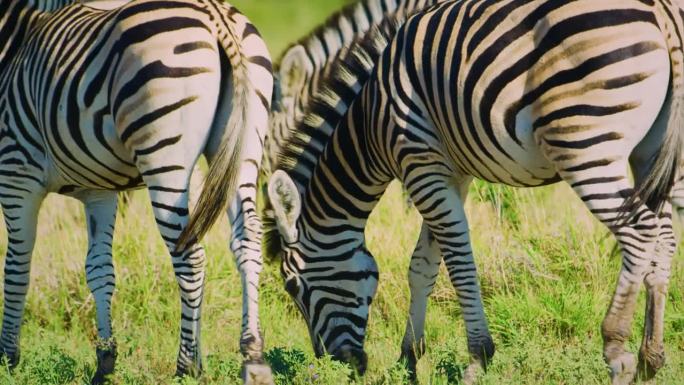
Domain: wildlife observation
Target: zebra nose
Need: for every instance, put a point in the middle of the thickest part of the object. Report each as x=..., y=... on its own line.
x=357, y=358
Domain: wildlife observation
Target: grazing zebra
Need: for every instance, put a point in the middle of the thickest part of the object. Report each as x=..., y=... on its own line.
x=302, y=69
x=525, y=93
x=98, y=99
x=348, y=71
x=420, y=282
x=304, y=64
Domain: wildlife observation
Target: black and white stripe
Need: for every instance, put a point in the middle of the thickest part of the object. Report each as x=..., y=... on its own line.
x=524, y=93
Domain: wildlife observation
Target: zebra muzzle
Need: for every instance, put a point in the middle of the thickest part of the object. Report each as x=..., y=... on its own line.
x=356, y=358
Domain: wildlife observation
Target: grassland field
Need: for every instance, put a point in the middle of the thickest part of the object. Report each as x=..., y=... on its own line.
x=545, y=264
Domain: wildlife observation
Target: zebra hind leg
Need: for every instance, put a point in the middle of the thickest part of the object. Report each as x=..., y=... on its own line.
x=246, y=247
x=439, y=200
x=170, y=207
x=652, y=352
x=604, y=188
x=21, y=217
x=423, y=271
x=100, y=211
x=245, y=243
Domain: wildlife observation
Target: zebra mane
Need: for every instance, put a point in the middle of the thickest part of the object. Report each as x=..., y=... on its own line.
x=49, y=5
x=343, y=26
x=344, y=79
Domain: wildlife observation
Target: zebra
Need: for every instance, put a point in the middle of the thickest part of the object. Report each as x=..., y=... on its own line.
x=524, y=93
x=103, y=97
x=301, y=70
x=305, y=63
x=282, y=127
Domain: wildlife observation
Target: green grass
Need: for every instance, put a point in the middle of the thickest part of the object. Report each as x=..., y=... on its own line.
x=545, y=264
x=547, y=284
x=284, y=22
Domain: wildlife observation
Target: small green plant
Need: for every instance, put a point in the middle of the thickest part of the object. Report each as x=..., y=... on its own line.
x=450, y=368
x=395, y=374
x=294, y=367
x=447, y=362
x=285, y=363
x=324, y=371
x=50, y=366
x=220, y=369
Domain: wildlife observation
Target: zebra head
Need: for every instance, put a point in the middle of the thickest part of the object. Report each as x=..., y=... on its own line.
x=333, y=285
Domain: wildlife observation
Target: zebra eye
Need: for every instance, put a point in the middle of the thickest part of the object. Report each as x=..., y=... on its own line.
x=291, y=286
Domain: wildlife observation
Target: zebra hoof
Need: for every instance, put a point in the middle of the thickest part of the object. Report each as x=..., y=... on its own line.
x=10, y=359
x=623, y=369
x=189, y=365
x=650, y=361
x=193, y=371
x=106, y=360
x=256, y=373
x=100, y=379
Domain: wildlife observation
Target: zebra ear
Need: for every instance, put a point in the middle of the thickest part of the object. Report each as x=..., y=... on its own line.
x=295, y=70
x=287, y=205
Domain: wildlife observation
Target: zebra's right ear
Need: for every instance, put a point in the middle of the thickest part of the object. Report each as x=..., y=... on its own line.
x=287, y=205
x=295, y=70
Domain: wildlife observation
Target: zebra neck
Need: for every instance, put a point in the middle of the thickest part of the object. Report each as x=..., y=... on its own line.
x=345, y=186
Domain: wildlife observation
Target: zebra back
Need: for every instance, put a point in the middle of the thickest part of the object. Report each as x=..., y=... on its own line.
x=302, y=62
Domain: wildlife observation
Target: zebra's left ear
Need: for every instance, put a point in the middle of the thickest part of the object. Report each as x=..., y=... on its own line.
x=286, y=202
x=295, y=71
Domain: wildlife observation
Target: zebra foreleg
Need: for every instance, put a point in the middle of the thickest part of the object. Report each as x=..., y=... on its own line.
x=21, y=217
x=440, y=202
x=100, y=211
x=652, y=352
x=171, y=213
x=423, y=272
x=422, y=275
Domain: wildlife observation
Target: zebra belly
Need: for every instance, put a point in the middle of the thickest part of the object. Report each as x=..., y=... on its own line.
x=515, y=161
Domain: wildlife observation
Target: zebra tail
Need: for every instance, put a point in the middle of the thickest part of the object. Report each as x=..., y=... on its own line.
x=656, y=188
x=221, y=180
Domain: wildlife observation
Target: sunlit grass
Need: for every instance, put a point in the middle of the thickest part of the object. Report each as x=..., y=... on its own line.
x=547, y=285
